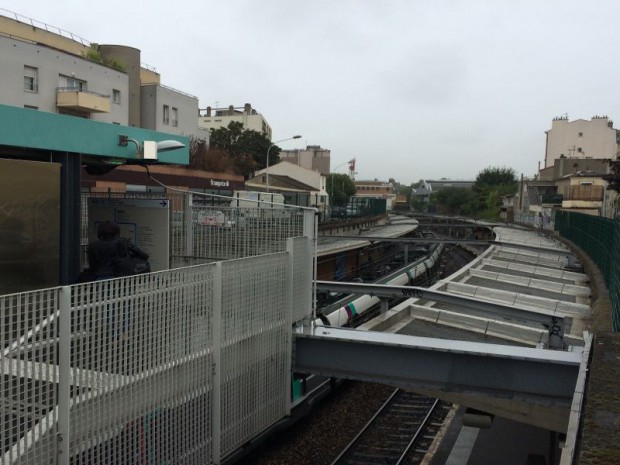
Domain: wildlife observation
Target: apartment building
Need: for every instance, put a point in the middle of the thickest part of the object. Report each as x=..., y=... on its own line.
x=46, y=71
x=377, y=190
x=215, y=118
x=581, y=139
x=313, y=157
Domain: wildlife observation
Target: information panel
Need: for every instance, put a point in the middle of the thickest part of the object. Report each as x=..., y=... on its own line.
x=145, y=222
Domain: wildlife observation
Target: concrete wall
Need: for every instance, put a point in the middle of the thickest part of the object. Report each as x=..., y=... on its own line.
x=129, y=58
x=50, y=65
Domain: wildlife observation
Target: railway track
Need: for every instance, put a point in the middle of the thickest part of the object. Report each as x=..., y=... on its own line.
x=400, y=432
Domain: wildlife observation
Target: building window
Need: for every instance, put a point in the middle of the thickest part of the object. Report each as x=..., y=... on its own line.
x=581, y=134
x=175, y=117
x=75, y=84
x=116, y=96
x=31, y=79
x=166, y=118
x=579, y=149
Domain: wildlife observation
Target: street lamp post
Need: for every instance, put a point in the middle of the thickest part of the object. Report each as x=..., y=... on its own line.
x=267, y=164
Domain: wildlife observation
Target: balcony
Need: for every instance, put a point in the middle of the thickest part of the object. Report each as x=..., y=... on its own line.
x=71, y=98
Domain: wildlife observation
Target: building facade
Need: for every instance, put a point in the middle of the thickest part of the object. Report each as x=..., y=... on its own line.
x=169, y=110
x=312, y=178
x=215, y=118
x=313, y=157
x=581, y=139
x=40, y=78
x=45, y=71
x=376, y=190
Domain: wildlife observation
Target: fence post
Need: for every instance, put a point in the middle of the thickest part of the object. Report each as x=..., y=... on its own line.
x=216, y=401
x=310, y=230
x=64, y=375
x=189, y=225
x=290, y=269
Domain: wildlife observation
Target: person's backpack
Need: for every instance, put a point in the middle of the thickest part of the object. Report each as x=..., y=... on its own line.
x=127, y=263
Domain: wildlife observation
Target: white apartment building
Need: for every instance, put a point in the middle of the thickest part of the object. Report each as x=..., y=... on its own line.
x=581, y=139
x=313, y=157
x=49, y=72
x=215, y=118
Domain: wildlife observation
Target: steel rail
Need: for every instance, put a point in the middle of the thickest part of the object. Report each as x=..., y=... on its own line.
x=366, y=426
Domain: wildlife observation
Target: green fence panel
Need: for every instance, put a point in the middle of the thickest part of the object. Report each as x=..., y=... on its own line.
x=600, y=239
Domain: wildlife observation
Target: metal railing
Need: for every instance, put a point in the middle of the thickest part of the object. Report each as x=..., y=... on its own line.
x=44, y=26
x=600, y=238
x=178, y=366
x=205, y=229
x=83, y=91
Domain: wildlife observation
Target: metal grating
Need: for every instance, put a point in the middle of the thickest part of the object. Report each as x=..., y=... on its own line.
x=179, y=366
x=29, y=383
x=203, y=230
x=600, y=239
x=301, y=248
x=255, y=337
x=140, y=364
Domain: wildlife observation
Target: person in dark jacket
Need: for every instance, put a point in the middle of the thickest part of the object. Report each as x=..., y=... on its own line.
x=110, y=256
x=106, y=255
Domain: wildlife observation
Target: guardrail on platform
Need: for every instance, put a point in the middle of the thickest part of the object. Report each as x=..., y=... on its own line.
x=178, y=366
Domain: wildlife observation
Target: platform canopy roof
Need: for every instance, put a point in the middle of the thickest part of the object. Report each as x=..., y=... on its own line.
x=30, y=129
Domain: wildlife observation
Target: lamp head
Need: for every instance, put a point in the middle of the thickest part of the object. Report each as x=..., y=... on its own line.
x=149, y=149
x=167, y=145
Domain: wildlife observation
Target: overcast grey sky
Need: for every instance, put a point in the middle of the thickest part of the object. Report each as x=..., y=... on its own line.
x=411, y=88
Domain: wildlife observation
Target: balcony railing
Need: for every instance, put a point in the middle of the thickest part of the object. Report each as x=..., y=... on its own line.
x=82, y=100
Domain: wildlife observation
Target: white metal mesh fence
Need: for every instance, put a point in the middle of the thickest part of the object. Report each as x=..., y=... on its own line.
x=203, y=229
x=229, y=233
x=254, y=346
x=140, y=362
x=302, y=253
x=178, y=366
x=29, y=383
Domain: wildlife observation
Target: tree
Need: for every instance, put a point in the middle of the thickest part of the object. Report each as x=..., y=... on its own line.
x=455, y=201
x=340, y=187
x=206, y=158
x=246, y=148
x=491, y=184
x=490, y=177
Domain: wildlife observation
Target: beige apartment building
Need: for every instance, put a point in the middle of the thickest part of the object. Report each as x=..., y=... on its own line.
x=215, y=118
x=313, y=157
x=581, y=139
